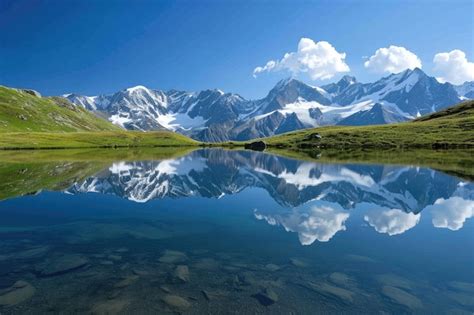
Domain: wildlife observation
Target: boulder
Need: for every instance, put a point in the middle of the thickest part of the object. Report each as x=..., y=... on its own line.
x=266, y=297
x=256, y=146
x=172, y=257
x=182, y=273
x=126, y=281
x=313, y=136
x=402, y=297
x=32, y=92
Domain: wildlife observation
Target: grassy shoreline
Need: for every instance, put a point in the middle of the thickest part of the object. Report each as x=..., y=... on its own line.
x=27, y=172
x=93, y=139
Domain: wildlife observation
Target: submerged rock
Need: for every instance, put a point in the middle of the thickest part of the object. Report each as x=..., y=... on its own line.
x=99, y=256
x=122, y=250
x=182, y=273
x=19, y=292
x=266, y=297
x=272, y=267
x=342, y=279
x=361, y=259
x=393, y=280
x=462, y=286
x=206, y=264
x=165, y=289
x=214, y=294
x=207, y=295
x=172, y=256
x=402, y=297
x=297, y=262
x=330, y=290
x=461, y=298
x=140, y=272
x=126, y=281
x=27, y=254
x=113, y=306
x=176, y=302
x=114, y=257
x=62, y=265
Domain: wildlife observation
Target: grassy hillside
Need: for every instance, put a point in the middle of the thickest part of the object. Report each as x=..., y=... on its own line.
x=21, y=112
x=93, y=139
x=453, y=127
x=32, y=122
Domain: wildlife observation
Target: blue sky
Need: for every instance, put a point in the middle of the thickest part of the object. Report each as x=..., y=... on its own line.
x=95, y=47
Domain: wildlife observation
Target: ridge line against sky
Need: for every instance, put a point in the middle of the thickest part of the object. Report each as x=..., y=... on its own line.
x=101, y=47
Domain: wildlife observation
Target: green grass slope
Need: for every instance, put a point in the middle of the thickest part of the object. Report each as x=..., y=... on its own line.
x=450, y=128
x=21, y=112
x=32, y=122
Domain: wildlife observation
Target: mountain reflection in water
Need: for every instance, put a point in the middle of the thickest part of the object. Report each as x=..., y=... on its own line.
x=316, y=199
x=220, y=231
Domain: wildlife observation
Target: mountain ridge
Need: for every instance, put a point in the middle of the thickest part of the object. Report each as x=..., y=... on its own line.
x=214, y=116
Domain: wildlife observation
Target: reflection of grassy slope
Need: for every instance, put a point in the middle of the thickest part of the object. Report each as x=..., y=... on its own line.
x=26, y=172
x=456, y=162
x=89, y=155
x=453, y=127
x=19, y=179
x=22, y=112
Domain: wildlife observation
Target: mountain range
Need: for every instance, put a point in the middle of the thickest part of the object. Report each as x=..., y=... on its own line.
x=212, y=115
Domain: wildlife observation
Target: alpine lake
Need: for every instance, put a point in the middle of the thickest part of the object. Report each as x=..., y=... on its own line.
x=215, y=231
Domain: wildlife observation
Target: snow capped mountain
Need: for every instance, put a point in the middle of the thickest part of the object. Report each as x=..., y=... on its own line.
x=140, y=108
x=377, y=115
x=212, y=115
x=465, y=90
x=92, y=103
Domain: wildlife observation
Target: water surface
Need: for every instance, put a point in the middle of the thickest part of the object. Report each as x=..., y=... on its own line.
x=220, y=231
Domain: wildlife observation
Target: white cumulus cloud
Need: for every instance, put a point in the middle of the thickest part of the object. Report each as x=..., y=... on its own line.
x=393, y=59
x=391, y=222
x=320, y=60
x=451, y=213
x=453, y=67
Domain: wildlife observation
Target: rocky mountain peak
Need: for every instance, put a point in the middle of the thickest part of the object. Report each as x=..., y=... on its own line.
x=346, y=81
